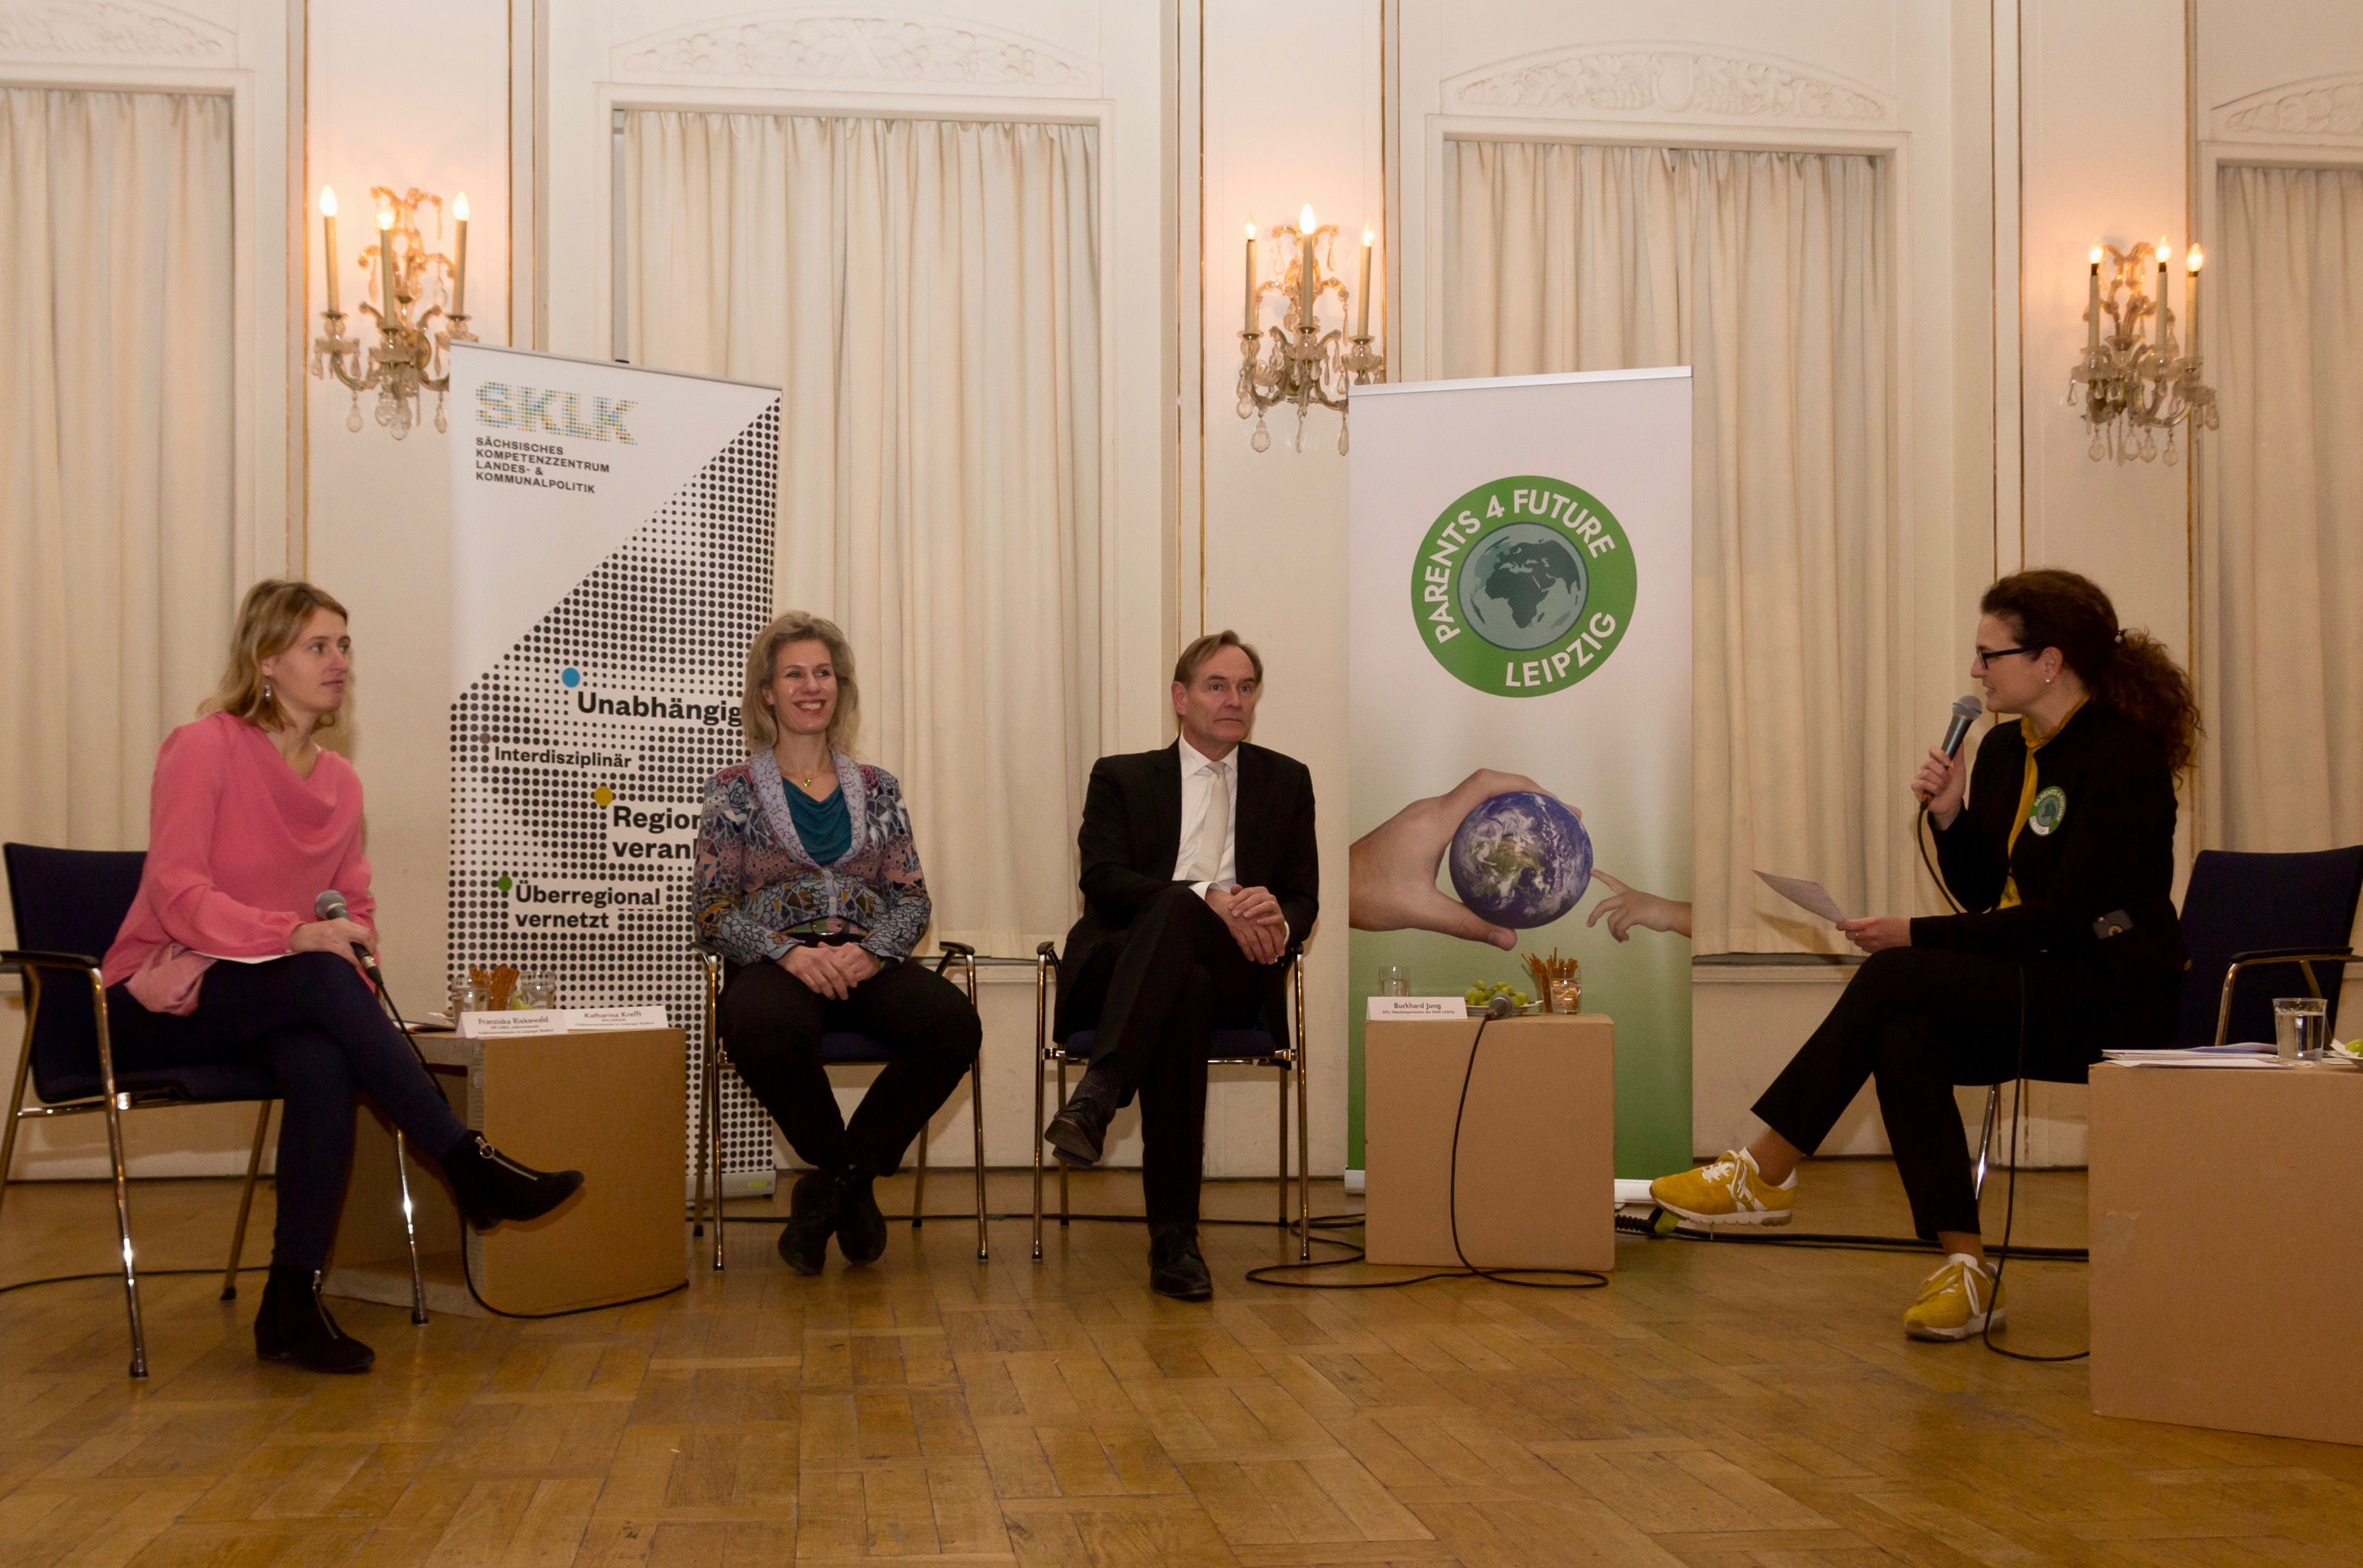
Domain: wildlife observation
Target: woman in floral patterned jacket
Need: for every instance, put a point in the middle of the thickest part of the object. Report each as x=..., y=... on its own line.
x=808, y=886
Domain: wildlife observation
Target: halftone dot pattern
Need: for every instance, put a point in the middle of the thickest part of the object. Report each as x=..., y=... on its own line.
x=595, y=734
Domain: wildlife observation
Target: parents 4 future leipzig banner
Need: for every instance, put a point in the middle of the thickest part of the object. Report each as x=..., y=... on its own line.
x=1520, y=584
x=611, y=558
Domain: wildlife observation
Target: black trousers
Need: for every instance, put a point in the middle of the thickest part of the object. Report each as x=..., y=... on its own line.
x=1153, y=994
x=313, y=1021
x=1920, y=1021
x=771, y=1025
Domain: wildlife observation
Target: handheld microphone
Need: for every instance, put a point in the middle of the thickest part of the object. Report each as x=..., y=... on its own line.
x=1966, y=708
x=1499, y=1007
x=330, y=906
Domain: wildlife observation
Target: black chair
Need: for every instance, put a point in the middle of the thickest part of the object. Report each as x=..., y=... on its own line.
x=1258, y=1047
x=68, y=904
x=2243, y=916
x=843, y=1048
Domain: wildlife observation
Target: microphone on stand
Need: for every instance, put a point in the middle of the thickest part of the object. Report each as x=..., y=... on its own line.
x=330, y=906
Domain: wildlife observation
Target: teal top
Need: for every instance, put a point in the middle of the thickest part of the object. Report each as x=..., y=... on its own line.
x=824, y=826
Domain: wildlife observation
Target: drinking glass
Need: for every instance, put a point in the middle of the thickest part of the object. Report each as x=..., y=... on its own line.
x=466, y=997
x=1394, y=980
x=2301, y=1026
x=1567, y=995
x=536, y=989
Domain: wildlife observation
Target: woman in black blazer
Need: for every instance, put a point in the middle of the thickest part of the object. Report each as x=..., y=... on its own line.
x=2062, y=859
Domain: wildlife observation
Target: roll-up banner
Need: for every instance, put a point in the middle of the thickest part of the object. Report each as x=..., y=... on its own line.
x=1520, y=695
x=611, y=559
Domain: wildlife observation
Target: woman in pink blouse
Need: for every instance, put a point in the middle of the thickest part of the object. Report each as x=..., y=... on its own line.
x=250, y=820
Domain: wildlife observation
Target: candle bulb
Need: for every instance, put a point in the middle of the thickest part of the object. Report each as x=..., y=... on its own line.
x=1362, y=307
x=1305, y=273
x=328, y=239
x=1247, y=318
x=388, y=312
x=2164, y=250
x=2093, y=310
x=2192, y=260
x=460, y=257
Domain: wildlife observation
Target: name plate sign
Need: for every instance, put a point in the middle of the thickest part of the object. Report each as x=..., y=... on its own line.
x=1396, y=1007
x=558, y=1020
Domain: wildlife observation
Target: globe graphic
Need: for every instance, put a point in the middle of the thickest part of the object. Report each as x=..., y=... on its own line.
x=1521, y=859
x=1524, y=587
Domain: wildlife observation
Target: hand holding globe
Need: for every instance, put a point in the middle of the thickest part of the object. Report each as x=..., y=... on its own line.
x=1392, y=875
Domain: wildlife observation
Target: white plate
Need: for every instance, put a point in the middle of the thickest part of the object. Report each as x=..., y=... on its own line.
x=1528, y=1011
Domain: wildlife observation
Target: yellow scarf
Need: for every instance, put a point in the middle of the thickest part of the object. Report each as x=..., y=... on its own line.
x=2036, y=739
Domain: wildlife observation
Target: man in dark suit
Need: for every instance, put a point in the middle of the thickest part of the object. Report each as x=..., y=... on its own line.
x=1199, y=876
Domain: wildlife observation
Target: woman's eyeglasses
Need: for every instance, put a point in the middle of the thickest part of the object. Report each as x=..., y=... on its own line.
x=1988, y=655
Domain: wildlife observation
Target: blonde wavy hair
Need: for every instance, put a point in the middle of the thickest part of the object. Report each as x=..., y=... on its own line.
x=269, y=622
x=755, y=717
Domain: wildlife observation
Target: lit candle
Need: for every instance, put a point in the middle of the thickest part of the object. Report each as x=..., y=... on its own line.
x=460, y=258
x=2192, y=260
x=328, y=235
x=1305, y=285
x=1247, y=317
x=2093, y=310
x=1362, y=309
x=2164, y=250
x=388, y=312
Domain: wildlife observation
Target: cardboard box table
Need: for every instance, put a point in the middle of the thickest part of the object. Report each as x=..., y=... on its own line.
x=610, y=1105
x=1538, y=1166
x=2227, y=1255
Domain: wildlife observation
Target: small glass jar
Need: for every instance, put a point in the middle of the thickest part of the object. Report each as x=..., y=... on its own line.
x=466, y=997
x=537, y=989
x=1567, y=993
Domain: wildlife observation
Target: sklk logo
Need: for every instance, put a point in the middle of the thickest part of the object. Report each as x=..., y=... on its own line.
x=546, y=411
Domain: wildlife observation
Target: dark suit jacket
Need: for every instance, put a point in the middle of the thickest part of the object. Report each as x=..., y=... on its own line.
x=1132, y=835
x=2113, y=851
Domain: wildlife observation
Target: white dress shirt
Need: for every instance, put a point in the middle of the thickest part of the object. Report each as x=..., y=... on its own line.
x=1199, y=773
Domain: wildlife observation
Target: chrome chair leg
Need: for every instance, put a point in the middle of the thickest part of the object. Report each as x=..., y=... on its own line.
x=410, y=1227
x=976, y=1115
x=1985, y=1140
x=712, y=1114
x=245, y=1205
x=1062, y=1164
x=122, y=1182
x=1303, y=1128
x=1038, y=1065
x=919, y=1189
x=24, y=1068
x=1282, y=1184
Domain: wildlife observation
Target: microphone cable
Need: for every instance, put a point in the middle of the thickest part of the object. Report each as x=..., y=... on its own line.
x=2010, y=1205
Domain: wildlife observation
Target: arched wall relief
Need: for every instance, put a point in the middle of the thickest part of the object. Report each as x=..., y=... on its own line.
x=1664, y=82
x=893, y=52
x=2324, y=108
x=115, y=31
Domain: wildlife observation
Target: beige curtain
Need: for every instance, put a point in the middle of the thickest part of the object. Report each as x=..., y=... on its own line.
x=116, y=553
x=1769, y=274
x=2280, y=585
x=926, y=293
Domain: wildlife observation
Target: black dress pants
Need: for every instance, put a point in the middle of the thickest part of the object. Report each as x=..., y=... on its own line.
x=313, y=1021
x=1154, y=994
x=1920, y=1021
x=771, y=1025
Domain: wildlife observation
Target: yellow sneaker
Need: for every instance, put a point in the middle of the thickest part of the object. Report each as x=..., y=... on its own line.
x=1956, y=1302
x=1731, y=1191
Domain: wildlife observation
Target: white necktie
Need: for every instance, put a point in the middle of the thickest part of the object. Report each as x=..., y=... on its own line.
x=1216, y=829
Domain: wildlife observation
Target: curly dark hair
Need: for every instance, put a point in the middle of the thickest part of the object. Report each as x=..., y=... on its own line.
x=2128, y=670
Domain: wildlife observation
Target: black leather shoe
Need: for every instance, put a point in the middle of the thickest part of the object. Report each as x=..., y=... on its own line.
x=861, y=1228
x=815, y=1205
x=493, y=1187
x=294, y=1325
x=1175, y=1268
x=1077, y=1133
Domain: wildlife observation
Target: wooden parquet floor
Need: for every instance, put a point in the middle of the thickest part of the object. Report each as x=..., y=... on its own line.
x=1717, y=1405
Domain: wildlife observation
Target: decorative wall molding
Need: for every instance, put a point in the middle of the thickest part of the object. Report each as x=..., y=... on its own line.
x=1664, y=82
x=2326, y=108
x=114, y=31
x=898, y=53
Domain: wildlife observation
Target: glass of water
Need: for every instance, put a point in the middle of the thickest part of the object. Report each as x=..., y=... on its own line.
x=1394, y=980
x=2300, y=1027
x=466, y=997
x=536, y=989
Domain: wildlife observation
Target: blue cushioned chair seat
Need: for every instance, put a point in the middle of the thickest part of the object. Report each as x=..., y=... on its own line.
x=1223, y=1042
x=202, y=1081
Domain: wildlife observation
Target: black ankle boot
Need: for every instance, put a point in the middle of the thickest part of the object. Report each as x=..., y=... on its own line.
x=1077, y=1133
x=492, y=1187
x=814, y=1205
x=294, y=1325
x=1176, y=1268
x=861, y=1228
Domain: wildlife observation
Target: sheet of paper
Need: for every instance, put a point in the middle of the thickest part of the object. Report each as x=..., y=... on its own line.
x=1810, y=895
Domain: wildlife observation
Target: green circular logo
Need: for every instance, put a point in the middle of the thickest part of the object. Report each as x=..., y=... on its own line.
x=1524, y=586
x=2050, y=809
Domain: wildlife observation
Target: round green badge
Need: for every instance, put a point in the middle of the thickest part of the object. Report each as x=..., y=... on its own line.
x=2045, y=815
x=1524, y=586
